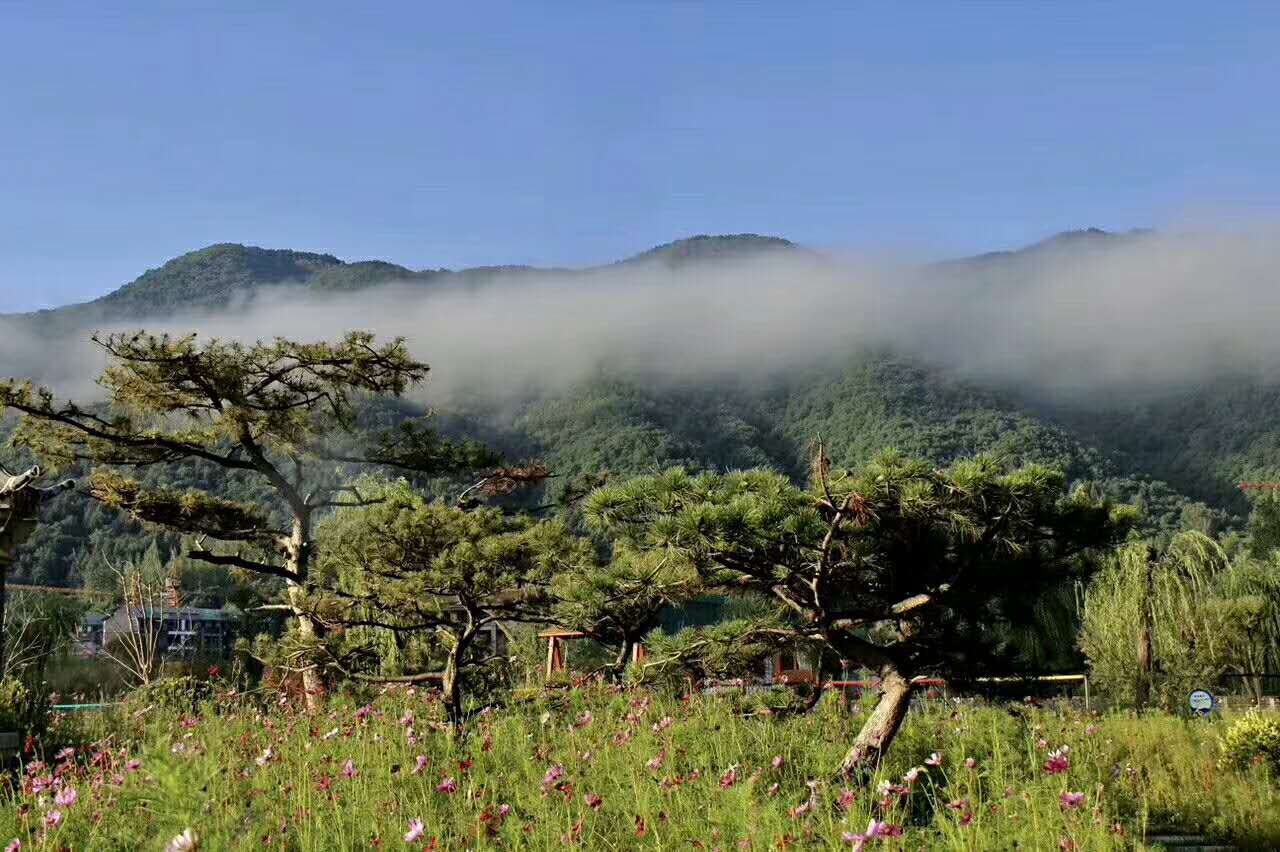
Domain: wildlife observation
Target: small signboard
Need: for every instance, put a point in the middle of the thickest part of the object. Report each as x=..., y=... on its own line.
x=1201, y=702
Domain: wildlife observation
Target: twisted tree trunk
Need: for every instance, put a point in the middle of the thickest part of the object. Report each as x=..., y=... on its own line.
x=880, y=728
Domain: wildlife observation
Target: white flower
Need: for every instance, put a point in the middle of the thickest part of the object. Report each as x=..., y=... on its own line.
x=187, y=841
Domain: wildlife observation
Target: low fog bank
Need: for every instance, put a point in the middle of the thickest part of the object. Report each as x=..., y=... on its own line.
x=1072, y=320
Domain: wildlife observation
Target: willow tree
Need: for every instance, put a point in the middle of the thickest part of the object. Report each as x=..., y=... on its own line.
x=900, y=568
x=1162, y=621
x=280, y=417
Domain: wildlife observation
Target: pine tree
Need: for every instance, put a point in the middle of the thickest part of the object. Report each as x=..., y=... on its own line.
x=901, y=568
x=282, y=414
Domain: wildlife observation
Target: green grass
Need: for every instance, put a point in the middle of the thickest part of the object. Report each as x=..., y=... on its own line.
x=1137, y=774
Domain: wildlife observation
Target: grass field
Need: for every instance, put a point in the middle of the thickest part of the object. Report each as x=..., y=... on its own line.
x=603, y=768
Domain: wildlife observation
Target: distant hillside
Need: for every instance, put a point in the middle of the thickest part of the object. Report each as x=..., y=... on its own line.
x=1165, y=454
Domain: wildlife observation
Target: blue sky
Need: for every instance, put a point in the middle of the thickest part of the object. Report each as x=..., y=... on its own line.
x=571, y=133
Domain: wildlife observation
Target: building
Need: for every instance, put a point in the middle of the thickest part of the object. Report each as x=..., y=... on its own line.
x=180, y=632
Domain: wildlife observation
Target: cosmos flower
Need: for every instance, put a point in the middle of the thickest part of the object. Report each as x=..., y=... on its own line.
x=553, y=775
x=416, y=829
x=66, y=797
x=729, y=778
x=53, y=818
x=14, y=845
x=934, y=759
x=187, y=841
x=593, y=801
x=349, y=768
x=448, y=785
x=1057, y=761
x=420, y=763
x=777, y=761
x=133, y=765
x=1071, y=800
x=969, y=763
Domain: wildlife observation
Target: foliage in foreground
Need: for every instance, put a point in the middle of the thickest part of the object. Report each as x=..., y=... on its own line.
x=612, y=769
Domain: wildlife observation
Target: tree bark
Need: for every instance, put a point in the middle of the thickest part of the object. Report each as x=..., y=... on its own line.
x=451, y=688
x=880, y=728
x=309, y=630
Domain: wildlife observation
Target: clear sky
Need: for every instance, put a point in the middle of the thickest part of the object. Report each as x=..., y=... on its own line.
x=454, y=134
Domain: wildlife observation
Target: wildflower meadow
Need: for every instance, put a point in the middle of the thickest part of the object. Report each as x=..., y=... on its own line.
x=605, y=767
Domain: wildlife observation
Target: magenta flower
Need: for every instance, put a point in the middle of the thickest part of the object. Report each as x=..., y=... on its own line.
x=656, y=761
x=729, y=778
x=934, y=759
x=1070, y=800
x=553, y=775
x=448, y=785
x=504, y=811
x=364, y=712
x=1057, y=761
x=420, y=763
x=53, y=819
x=416, y=829
x=66, y=797
x=14, y=845
x=407, y=719
x=593, y=801
x=65, y=754
x=349, y=768
x=133, y=764
x=846, y=798
x=875, y=828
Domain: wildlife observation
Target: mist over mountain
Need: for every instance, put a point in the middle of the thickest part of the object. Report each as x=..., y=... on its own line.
x=1141, y=362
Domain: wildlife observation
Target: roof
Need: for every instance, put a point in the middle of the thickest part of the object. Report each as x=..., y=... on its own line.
x=193, y=612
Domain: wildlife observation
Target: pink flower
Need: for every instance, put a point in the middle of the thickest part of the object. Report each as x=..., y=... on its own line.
x=504, y=811
x=66, y=797
x=1071, y=800
x=584, y=719
x=416, y=828
x=14, y=845
x=349, y=768
x=448, y=785
x=969, y=763
x=934, y=759
x=65, y=754
x=593, y=801
x=407, y=718
x=553, y=775
x=1042, y=743
x=133, y=764
x=912, y=774
x=586, y=756
x=846, y=798
x=777, y=761
x=662, y=724
x=265, y=758
x=53, y=819
x=875, y=828
x=729, y=778
x=656, y=761
x=420, y=763
x=1091, y=730
x=364, y=712
x=773, y=789
x=1057, y=761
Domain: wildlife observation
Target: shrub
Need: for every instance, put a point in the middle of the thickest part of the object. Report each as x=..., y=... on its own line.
x=23, y=709
x=1249, y=738
x=181, y=694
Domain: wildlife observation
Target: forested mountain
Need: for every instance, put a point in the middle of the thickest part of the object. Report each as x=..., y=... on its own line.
x=615, y=421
